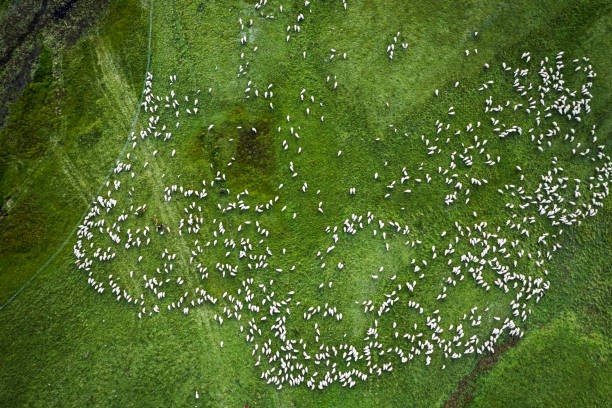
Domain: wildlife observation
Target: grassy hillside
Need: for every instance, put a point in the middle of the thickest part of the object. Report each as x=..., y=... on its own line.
x=62, y=136
x=66, y=345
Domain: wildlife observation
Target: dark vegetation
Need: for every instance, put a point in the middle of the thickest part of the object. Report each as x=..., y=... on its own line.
x=26, y=217
x=23, y=137
x=24, y=25
x=64, y=128
x=253, y=152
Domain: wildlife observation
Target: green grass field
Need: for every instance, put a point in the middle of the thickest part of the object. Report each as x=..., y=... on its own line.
x=66, y=345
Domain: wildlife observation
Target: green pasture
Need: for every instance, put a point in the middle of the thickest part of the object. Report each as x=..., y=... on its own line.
x=65, y=345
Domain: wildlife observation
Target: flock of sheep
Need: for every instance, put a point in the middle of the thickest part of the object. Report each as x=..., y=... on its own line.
x=211, y=251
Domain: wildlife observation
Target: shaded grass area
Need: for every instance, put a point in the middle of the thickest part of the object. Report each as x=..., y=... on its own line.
x=25, y=28
x=23, y=137
x=162, y=361
x=61, y=138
